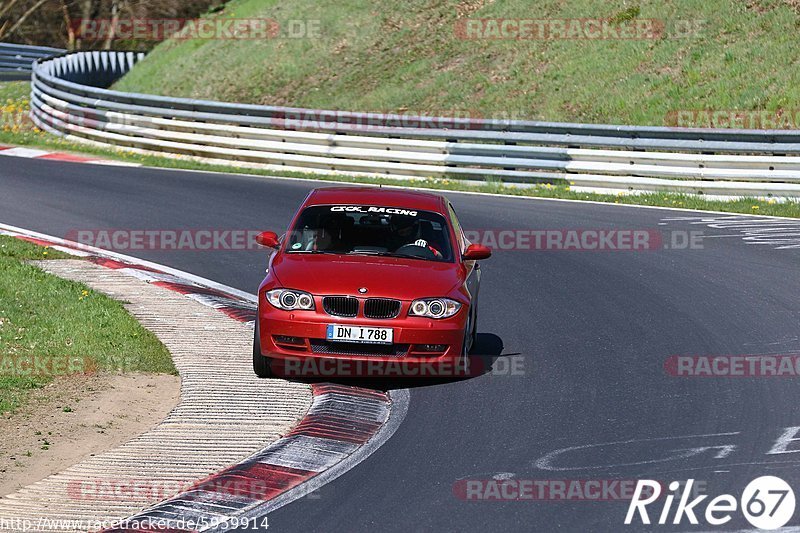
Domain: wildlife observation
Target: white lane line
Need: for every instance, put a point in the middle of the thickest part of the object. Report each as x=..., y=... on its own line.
x=23, y=152
x=133, y=260
x=780, y=233
x=791, y=529
x=35, y=153
x=112, y=163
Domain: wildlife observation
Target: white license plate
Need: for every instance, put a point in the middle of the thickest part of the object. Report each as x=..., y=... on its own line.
x=337, y=332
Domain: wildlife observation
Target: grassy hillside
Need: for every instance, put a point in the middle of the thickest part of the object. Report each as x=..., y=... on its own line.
x=408, y=57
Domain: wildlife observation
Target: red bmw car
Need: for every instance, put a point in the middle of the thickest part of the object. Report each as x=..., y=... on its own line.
x=368, y=275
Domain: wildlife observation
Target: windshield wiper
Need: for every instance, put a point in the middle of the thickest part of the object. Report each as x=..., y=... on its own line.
x=367, y=252
x=311, y=252
x=385, y=254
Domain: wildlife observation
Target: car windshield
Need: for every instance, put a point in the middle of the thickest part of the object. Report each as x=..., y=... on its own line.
x=371, y=230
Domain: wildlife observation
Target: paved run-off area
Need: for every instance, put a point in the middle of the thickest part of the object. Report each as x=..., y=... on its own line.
x=225, y=414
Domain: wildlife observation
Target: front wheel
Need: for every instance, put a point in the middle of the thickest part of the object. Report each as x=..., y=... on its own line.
x=261, y=364
x=470, y=339
x=474, y=336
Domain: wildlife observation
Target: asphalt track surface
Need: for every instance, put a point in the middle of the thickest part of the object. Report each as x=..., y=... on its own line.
x=593, y=330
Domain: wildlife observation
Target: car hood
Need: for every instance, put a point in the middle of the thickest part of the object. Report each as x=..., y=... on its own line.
x=387, y=277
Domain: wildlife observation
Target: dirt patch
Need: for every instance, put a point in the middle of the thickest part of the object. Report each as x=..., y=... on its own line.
x=75, y=417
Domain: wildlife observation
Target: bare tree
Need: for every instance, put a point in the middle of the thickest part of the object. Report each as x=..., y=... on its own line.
x=68, y=24
x=57, y=22
x=6, y=6
x=21, y=20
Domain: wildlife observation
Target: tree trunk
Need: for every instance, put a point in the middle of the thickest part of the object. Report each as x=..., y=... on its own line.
x=24, y=17
x=112, y=32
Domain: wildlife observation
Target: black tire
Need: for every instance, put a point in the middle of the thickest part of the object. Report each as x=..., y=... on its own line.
x=261, y=364
x=474, y=330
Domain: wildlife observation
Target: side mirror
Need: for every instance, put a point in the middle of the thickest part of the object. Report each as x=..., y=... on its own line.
x=475, y=252
x=268, y=239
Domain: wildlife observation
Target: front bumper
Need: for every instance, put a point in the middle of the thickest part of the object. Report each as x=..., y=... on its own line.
x=296, y=341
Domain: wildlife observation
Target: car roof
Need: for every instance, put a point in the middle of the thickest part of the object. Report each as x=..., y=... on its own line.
x=423, y=201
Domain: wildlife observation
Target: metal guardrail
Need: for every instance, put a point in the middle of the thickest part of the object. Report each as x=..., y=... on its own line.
x=70, y=97
x=20, y=57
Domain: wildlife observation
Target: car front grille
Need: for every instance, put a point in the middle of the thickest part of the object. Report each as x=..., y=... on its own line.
x=381, y=308
x=321, y=346
x=340, y=306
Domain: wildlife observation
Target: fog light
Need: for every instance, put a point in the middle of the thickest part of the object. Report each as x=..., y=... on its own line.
x=283, y=339
x=431, y=347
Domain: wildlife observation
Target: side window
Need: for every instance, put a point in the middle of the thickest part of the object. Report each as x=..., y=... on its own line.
x=457, y=227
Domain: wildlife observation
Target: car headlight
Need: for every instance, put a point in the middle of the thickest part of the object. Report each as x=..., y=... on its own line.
x=434, y=307
x=289, y=299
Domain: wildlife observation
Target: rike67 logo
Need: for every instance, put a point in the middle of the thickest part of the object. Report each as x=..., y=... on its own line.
x=767, y=502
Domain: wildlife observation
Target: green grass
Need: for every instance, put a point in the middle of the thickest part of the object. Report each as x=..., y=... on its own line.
x=407, y=57
x=15, y=126
x=31, y=137
x=15, y=91
x=62, y=324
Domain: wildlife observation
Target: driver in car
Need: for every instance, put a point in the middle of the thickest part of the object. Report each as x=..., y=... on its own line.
x=406, y=232
x=329, y=235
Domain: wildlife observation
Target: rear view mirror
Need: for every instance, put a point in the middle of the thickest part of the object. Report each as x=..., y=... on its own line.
x=268, y=239
x=475, y=252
